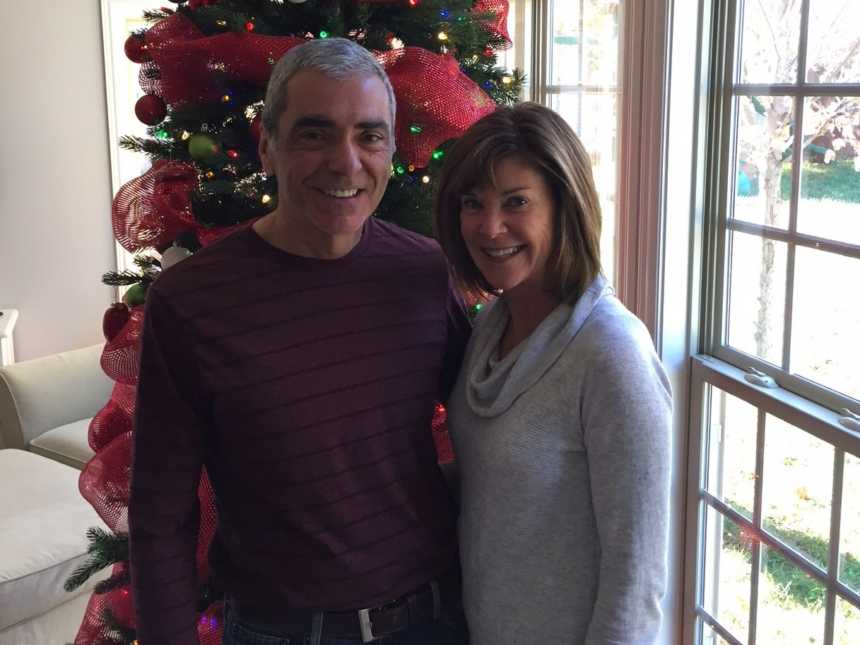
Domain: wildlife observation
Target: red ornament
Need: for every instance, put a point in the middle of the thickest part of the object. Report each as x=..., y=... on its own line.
x=135, y=49
x=115, y=318
x=249, y=26
x=233, y=154
x=150, y=109
x=256, y=128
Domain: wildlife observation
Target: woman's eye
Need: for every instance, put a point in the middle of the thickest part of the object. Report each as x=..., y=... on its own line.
x=470, y=204
x=516, y=202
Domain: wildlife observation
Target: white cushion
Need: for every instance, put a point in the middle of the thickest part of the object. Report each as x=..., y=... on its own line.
x=67, y=444
x=44, y=393
x=58, y=627
x=43, y=524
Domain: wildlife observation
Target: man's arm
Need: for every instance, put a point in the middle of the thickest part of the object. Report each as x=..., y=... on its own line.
x=459, y=329
x=626, y=413
x=167, y=460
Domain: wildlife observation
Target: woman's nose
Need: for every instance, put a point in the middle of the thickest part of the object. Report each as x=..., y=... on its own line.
x=491, y=223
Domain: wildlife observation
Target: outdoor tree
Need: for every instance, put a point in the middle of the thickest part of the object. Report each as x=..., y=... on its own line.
x=831, y=124
x=204, y=69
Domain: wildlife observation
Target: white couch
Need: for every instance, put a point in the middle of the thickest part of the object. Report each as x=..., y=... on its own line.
x=46, y=404
x=45, y=408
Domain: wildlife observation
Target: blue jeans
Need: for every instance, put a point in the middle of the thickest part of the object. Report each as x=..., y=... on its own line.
x=448, y=630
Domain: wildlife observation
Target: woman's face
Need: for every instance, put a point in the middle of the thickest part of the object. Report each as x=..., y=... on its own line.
x=508, y=227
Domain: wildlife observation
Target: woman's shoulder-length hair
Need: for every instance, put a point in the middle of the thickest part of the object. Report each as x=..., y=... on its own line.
x=544, y=140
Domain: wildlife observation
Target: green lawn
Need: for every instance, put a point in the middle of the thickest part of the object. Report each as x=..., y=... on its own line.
x=837, y=180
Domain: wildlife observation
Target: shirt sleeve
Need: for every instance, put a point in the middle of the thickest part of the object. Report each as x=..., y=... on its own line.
x=627, y=414
x=166, y=467
x=458, y=330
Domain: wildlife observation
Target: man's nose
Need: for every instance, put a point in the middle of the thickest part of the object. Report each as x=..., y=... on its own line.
x=345, y=157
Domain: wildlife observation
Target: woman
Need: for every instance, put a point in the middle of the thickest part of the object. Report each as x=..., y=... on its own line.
x=560, y=418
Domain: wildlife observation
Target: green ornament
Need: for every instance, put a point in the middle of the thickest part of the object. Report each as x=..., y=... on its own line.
x=162, y=135
x=415, y=128
x=136, y=295
x=202, y=147
x=400, y=169
x=323, y=34
x=438, y=154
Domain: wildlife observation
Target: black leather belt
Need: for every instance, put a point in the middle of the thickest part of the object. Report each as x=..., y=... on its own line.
x=417, y=607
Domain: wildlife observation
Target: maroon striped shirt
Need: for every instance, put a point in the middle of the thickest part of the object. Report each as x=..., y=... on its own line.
x=306, y=388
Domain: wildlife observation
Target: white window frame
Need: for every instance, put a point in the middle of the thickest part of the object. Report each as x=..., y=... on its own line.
x=804, y=405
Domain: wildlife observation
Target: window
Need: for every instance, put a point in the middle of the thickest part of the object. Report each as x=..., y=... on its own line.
x=773, y=527
x=575, y=70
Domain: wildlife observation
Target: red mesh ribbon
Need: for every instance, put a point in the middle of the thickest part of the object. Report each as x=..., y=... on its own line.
x=444, y=449
x=154, y=208
x=499, y=24
x=93, y=629
x=121, y=356
x=109, y=422
x=211, y=624
x=433, y=94
x=105, y=482
x=208, y=521
x=197, y=68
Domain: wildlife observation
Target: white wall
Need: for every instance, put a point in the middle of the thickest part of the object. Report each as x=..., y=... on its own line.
x=55, y=194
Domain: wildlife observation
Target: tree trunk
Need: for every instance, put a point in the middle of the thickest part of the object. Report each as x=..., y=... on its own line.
x=773, y=200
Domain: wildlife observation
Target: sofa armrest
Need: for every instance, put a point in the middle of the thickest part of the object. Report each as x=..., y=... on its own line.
x=43, y=393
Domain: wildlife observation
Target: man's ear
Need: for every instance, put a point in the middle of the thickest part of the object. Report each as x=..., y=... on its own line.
x=267, y=153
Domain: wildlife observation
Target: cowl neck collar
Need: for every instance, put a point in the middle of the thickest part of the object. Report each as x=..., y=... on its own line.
x=493, y=384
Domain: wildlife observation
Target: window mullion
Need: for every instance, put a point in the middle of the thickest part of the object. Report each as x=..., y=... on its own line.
x=757, y=506
x=835, y=536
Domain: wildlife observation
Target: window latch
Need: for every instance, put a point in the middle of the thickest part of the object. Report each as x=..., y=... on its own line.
x=757, y=377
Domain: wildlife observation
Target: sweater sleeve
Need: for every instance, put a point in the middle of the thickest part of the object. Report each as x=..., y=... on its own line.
x=166, y=467
x=626, y=414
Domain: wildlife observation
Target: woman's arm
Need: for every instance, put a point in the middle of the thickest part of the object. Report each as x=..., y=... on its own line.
x=626, y=415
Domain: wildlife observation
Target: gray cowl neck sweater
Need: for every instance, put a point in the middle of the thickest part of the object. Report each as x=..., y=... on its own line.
x=563, y=453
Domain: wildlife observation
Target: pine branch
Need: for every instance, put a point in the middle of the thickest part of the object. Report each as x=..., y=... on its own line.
x=116, y=581
x=105, y=548
x=116, y=632
x=122, y=278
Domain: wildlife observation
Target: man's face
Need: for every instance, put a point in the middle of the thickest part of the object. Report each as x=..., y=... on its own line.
x=331, y=154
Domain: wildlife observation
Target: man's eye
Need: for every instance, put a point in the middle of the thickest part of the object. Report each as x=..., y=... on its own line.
x=373, y=137
x=310, y=135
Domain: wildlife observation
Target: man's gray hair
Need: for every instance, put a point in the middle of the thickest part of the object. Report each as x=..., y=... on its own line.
x=337, y=58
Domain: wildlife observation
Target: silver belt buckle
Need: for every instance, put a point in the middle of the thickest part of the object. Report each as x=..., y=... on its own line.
x=365, y=626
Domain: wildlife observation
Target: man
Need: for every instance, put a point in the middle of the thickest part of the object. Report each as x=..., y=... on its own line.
x=298, y=360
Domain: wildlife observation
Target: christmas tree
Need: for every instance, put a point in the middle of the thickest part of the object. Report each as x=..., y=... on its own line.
x=204, y=69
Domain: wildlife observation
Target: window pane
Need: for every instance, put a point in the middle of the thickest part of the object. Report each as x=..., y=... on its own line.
x=830, y=177
x=584, y=48
x=727, y=573
x=594, y=118
x=757, y=296
x=790, y=603
x=849, y=541
x=797, y=489
x=770, y=40
x=732, y=444
x=847, y=624
x=763, y=173
x=834, y=42
x=826, y=320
